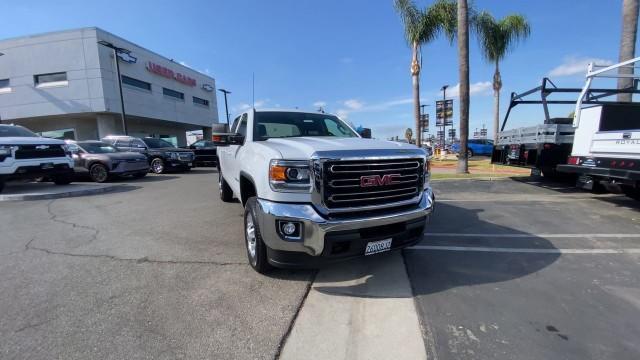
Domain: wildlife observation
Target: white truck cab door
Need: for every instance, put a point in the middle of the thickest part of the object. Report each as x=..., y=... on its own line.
x=230, y=166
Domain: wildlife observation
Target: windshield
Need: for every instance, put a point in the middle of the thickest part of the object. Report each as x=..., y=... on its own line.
x=157, y=143
x=97, y=148
x=15, y=131
x=274, y=124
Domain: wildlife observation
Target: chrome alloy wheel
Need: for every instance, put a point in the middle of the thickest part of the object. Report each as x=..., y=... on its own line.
x=99, y=173
x=220, y=185
x=157, y=166
x=251, y=237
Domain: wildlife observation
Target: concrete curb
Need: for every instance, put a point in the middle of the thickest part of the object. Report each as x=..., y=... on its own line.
x=360, y=309
x=85, y=190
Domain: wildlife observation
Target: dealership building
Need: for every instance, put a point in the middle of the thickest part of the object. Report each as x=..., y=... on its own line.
x=64, y=85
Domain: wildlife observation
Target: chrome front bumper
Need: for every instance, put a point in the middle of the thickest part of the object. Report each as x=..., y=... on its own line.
x=315, y=226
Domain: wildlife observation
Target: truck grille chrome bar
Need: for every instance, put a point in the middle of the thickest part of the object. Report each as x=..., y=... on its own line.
x=351, y=185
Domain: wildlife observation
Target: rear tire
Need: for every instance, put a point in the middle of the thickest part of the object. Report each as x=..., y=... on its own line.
x=256, y=248
x=226, y=195
x=469, y=153
x=62, y=179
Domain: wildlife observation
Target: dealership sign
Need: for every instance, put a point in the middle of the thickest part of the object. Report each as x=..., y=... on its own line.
x=170, y=74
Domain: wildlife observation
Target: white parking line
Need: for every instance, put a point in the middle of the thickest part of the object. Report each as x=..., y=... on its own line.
x=519, y=235
x=530, y=251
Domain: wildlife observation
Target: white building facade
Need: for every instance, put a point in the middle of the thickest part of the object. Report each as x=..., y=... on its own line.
x=64, y=85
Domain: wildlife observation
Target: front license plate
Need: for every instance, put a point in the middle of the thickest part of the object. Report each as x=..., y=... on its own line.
x=375, y=247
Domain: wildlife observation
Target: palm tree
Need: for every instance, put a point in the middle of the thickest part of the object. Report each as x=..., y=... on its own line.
x=627, y=44
x=463, y=71
x=421, y=27
x=497, y=38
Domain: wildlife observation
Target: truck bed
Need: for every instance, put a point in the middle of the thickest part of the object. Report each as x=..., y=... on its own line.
x=539, y=134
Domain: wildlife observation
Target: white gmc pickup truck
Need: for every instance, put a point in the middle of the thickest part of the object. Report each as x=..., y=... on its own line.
x=315, y=191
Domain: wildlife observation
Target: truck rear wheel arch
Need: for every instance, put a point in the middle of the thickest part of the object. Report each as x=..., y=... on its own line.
x=247, y=187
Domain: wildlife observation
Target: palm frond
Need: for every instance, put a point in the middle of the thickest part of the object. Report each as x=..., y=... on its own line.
x=498, y=37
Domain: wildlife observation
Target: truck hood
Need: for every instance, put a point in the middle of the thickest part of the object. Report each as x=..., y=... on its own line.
x=24, y=140
x=306, y=147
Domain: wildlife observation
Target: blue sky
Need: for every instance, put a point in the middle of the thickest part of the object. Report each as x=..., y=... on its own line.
x=347, y=55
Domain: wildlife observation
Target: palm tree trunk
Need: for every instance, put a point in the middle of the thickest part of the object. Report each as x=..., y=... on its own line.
x=463, y=71
x=627, y=44
x=497, y=85
x=415, y=78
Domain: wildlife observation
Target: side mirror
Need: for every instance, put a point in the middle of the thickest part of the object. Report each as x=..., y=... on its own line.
x=236, y=139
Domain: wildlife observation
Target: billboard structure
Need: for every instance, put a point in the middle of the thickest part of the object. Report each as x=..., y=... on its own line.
x=444, y=112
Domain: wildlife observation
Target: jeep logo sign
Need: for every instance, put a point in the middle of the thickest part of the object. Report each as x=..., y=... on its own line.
x=377, y=180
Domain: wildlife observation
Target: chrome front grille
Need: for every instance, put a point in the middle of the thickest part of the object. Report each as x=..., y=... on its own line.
x=185, y=156
x=39, y=151
x=353, y=184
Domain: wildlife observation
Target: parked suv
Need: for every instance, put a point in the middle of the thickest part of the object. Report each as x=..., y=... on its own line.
x=205, y=153
x=162, y=155
x=25, y=155
x=102, y=161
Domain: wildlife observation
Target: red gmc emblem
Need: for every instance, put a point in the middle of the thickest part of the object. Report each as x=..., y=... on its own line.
x=377, y=180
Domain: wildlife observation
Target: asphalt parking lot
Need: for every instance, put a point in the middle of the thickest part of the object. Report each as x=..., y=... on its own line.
x=526, y=270
x=157, y=269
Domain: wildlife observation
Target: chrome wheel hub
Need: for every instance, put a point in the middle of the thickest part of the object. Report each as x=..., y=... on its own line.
x=251, y=237
x=157, y=166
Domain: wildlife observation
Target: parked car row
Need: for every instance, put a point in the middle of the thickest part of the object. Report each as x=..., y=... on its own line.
x=25, y=155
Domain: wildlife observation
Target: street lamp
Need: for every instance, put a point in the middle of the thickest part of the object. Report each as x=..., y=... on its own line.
x=116, y=51
x=226, y=107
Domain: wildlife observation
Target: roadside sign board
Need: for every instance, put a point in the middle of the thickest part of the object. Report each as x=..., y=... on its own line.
x=424, y=122
x=444, y=112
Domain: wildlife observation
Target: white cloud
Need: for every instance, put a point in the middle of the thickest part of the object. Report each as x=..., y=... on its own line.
x=184, y=63
x=320, y=104
x=574, y=65
x=478, y=88
x=342, y=114
x=353, y=104
x=246, y=106
x=346, y=60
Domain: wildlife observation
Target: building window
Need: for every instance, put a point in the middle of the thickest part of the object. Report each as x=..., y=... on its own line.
x=172, y=93
x=53, y=79
x=138, y=84
x=62, y=134
x=203, y=102
x=5, y=86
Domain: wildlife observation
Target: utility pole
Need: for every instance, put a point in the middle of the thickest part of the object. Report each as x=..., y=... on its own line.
x=226, y=107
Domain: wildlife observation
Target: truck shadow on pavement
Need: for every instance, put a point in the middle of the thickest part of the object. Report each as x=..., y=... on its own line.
x=443, y=266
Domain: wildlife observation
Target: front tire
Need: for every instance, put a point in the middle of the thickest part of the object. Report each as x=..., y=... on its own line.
x=226, y=195
x=157, y=166
x=256, y=248
x=98, y=173
x=469, y=153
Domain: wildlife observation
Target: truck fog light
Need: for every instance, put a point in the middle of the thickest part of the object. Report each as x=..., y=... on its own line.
x=290, y=230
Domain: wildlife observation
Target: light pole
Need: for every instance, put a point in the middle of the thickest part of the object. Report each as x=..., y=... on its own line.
x=117, y=50
x=226, y=107
x=444, y=114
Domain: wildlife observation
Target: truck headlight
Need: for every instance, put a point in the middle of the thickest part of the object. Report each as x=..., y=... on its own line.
x=5, y=152
x=290, y=175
